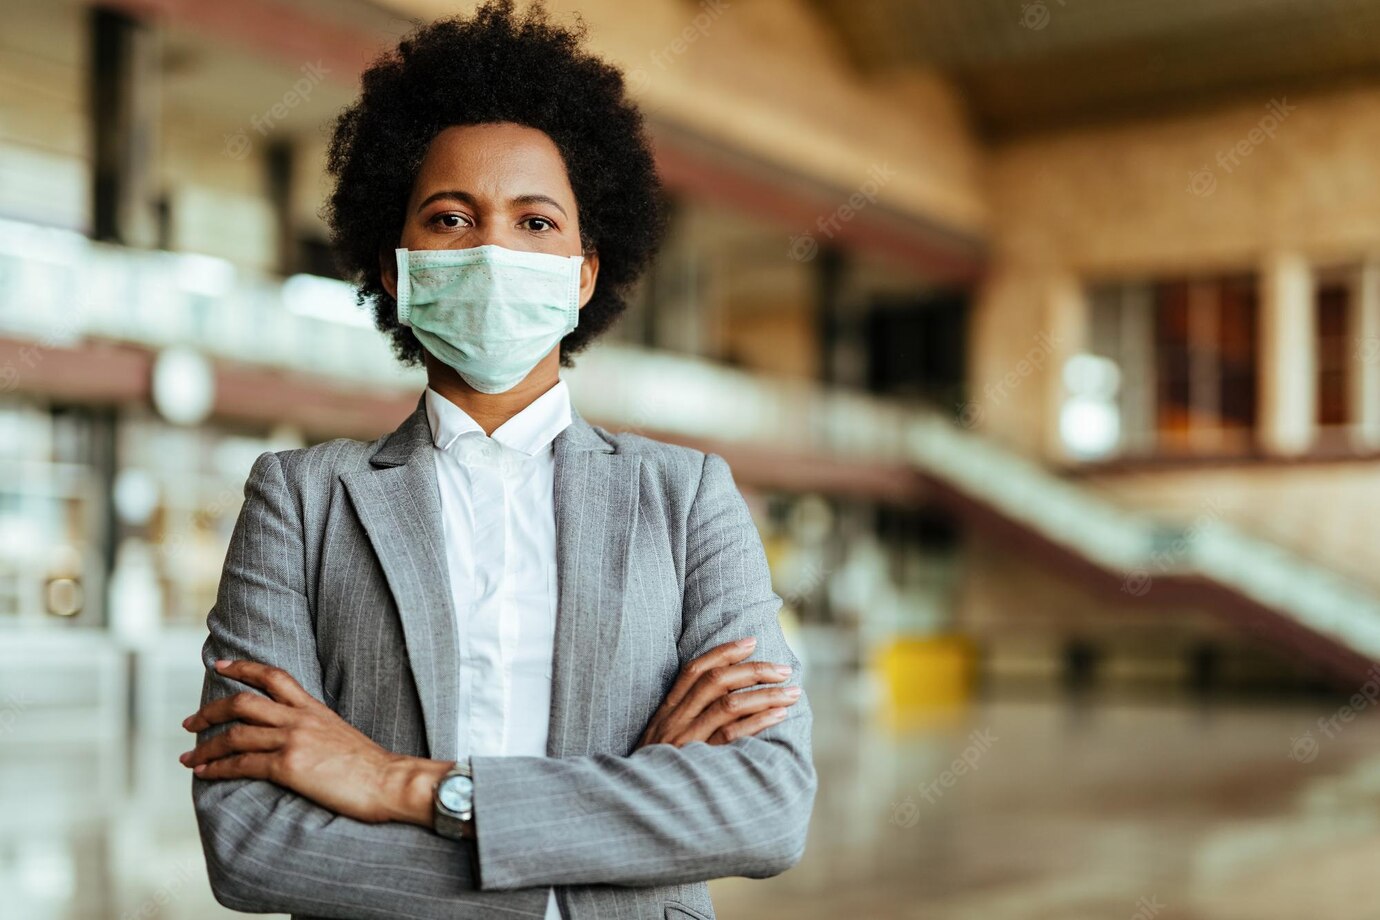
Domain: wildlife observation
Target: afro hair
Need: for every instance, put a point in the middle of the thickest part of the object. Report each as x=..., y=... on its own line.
x=520, y=68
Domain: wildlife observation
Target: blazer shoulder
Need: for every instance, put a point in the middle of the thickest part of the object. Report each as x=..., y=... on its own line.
x=679, y=471
x=321, y=462
x=661, y=453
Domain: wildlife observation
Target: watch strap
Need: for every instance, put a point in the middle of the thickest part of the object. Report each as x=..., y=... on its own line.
x=448, y=823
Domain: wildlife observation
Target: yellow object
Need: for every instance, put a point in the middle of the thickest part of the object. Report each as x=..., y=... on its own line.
x=926, y=672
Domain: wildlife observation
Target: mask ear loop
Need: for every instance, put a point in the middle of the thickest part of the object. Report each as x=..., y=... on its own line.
x=573, y=308
x=404, y=287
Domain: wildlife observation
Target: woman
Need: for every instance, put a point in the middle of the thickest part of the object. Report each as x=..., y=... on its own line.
x=499, y=662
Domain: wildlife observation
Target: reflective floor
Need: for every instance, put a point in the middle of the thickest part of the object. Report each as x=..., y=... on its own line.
x=1052, y=811
x=1036, y=809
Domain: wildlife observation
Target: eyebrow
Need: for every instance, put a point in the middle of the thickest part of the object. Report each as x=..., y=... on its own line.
x=469, y=199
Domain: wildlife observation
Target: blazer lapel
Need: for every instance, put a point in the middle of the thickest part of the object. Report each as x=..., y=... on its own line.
x=399, y=505
x=596, y=507
x=596, y=504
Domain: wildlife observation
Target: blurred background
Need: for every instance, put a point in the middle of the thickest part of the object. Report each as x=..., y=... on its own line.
x=1043, y=339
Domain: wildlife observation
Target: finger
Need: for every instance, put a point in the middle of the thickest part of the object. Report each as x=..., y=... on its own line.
x=276, y=682
x=719, y=656
x=253, y=765
x=244, y=706
x=238, y=739
x=731, y=707
x=746, y=728
x=718, y=682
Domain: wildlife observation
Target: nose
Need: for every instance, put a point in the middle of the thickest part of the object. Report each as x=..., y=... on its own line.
x=486, y=237
x=492, y=233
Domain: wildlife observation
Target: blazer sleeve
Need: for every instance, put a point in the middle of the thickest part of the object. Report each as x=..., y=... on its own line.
x=269, y=849
x=668, y=815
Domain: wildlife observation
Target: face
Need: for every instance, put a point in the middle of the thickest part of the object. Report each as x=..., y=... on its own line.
x=501, y=184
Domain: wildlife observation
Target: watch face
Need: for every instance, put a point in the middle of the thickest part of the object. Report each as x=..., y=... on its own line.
x=457, y=793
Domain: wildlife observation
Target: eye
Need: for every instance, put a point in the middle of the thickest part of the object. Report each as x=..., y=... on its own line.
x=541, y=224
x=449, y=220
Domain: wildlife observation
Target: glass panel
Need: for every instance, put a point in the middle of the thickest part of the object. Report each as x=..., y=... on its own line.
x=51, y=523
x=1333, y=300
x=1236, y=350
x=1173, y=364
x=1205, y=341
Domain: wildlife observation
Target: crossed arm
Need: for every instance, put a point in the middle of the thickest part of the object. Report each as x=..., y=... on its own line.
x=300, y=812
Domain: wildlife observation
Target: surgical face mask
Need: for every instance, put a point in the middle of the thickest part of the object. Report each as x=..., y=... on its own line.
x=491, y=313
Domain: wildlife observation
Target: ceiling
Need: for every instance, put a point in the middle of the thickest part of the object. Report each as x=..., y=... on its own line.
x=1031, y=65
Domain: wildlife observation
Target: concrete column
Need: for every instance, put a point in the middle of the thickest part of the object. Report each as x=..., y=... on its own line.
x=1365, y=357
x=123, y=102
x=279, y=160
x=840, y=325
x=1288, y=356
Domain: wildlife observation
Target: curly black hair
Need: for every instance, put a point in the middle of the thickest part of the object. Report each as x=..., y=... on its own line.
x=495, y=66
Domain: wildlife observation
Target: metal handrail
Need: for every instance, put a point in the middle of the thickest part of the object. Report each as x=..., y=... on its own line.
x=57, y=286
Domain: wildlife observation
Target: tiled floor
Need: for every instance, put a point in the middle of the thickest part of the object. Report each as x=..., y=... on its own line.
x=1110, y=810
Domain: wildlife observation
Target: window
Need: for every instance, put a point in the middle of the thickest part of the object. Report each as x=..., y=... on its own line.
x=1333, y=305
x=1187, y=350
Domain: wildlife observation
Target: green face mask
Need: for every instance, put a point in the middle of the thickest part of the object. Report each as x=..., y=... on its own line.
x=491, y=313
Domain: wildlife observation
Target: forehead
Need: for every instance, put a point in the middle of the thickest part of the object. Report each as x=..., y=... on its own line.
x=506, y=159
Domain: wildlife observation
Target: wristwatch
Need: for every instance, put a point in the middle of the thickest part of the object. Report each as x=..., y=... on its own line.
x=454, y=803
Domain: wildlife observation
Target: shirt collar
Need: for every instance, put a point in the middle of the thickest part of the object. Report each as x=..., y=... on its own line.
x=533, y=428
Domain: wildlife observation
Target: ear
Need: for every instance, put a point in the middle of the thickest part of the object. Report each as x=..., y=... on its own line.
x=589, y=273
x=388, y=271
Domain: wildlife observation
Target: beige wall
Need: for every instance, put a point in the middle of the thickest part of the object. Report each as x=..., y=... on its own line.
x=1173, y=195
x=1022, y=614
x=766, y=77
x=1325, y=511
x=1163, y=197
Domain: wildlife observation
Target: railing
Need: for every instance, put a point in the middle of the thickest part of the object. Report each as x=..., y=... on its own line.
x=687, y=396
x=56, y=287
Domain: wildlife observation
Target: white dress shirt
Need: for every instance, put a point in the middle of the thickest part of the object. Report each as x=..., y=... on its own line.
x=499, y=519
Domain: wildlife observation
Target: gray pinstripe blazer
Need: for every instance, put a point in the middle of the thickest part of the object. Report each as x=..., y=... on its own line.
x=335, y=572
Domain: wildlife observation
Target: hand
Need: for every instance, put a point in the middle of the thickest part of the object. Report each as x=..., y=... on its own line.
x=703, y=707
x=296, y=741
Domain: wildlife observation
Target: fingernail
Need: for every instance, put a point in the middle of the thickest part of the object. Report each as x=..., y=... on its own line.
x=199, y=768
x=222, y=662
x=749, y=642
x=777, y=715
x=184, y=755
x=784, y=670
x=791, y=692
